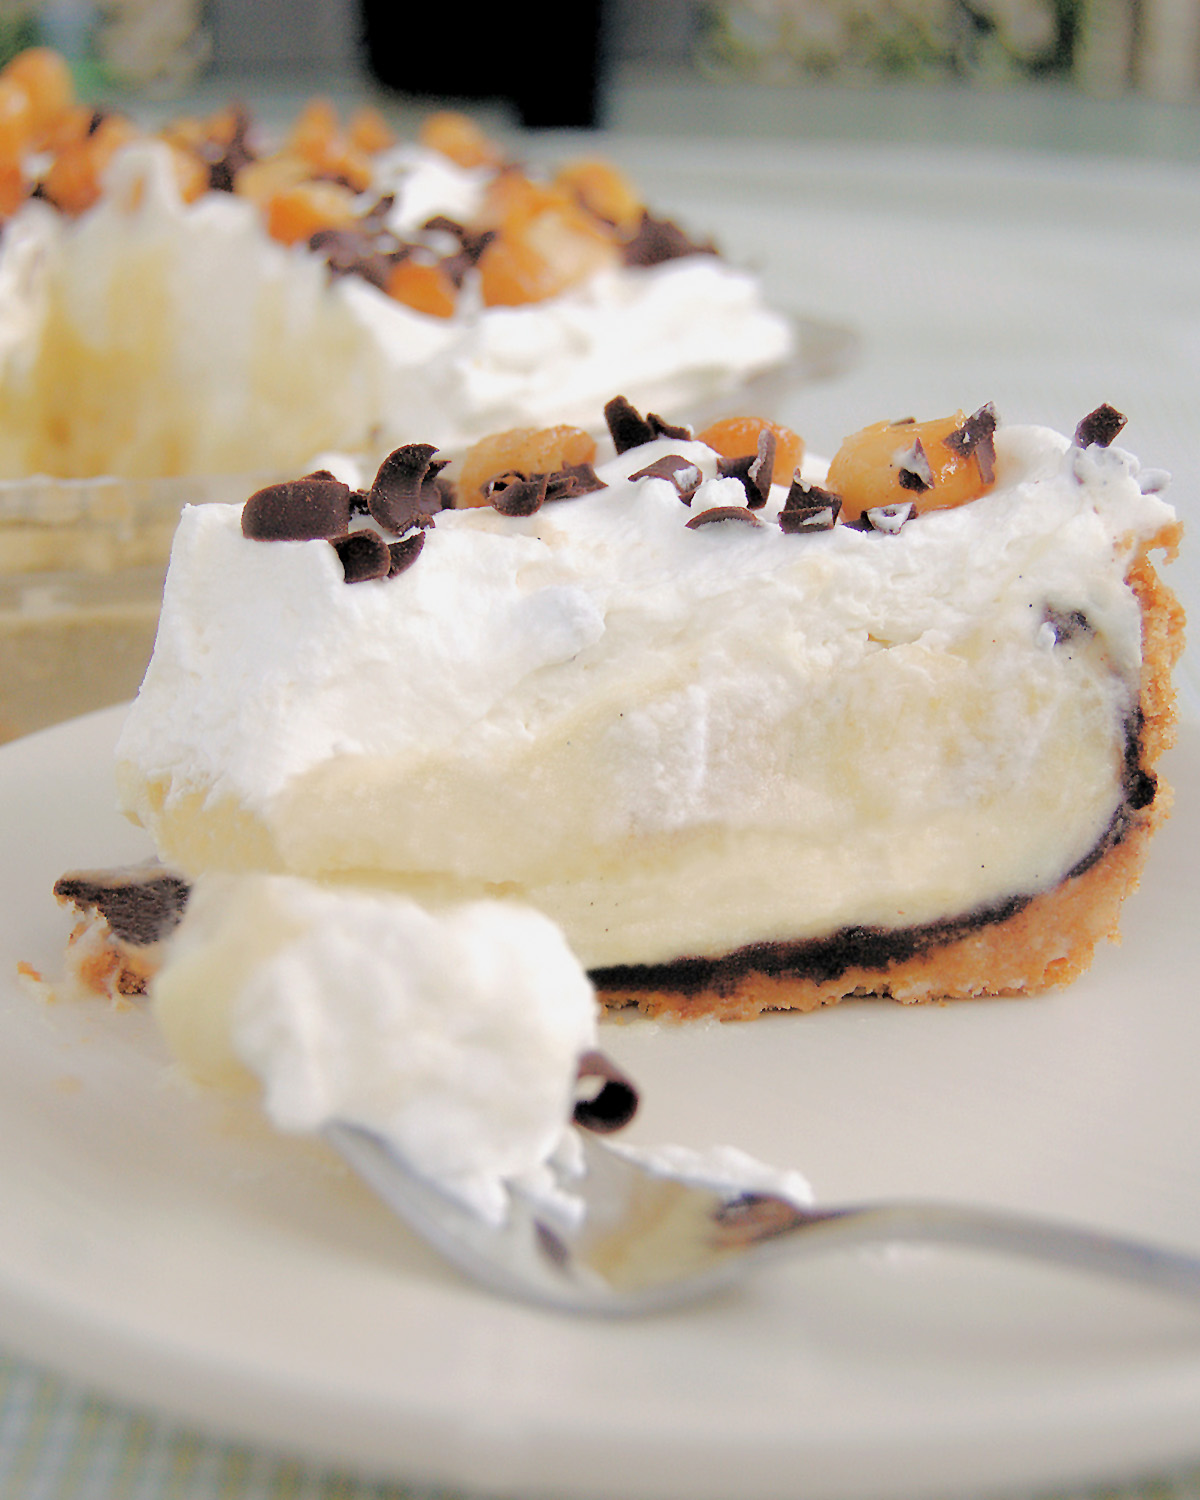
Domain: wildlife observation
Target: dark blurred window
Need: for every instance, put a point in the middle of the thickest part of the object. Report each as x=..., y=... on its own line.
x=546, y=59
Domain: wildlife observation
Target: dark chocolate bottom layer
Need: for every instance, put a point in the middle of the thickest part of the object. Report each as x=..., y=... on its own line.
x=818, y=960
x=825, y=959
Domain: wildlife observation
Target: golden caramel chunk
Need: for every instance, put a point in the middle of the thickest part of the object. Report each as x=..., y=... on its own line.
x=261, y=180
x=314, y=129
x=542, y=255
x=223, y=126
x=316, y=137
x=45, y=79
x=71, y=127
x=13, y=188
x=866, y=470
x=603, y=191
x=458, y=136
x=16, y=122
x=296, y=213
x=75, y=178
x=736, y=437
x=511, y=199
x=369, y=132
x=525, y=450
x=424, y=287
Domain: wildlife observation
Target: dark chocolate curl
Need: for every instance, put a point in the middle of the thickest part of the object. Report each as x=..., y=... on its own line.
x=406, y=492
x=626, y=425
x=614, y=1105
x=404, y=553
x=915, y=473
x=141, y=903
x=298, y=510
x=682, y=472
x=680, y=431
x=573, y=480
x=516, y=494
x=808, y=507
x=755, y=470
x=1067, y=623
x=890, y=518
x=977, y=436
x=1099, y=427
x=225, y=160
x=473, y=244
x=659, y=240
x=351, y=252
x=364, y=555
x=724, y=513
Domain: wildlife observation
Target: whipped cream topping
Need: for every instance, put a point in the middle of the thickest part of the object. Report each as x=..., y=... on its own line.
x=152, y=336
x=673, y=741
x=454, y=1033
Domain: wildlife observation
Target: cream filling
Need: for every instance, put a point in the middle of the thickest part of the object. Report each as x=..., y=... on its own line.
x=928, y=786
x=672, y=742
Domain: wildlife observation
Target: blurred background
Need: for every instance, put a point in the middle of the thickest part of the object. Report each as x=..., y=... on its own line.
x=565, y=73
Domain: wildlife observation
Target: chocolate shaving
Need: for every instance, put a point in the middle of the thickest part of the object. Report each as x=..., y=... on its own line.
x=354, y=252
x=680, y=431
x=629, y=429
x=472, y=244
x=404, y=553
x=755, y=470
x=658, y=240
x=889, y=518
x=364, y=555
x=1099, y=427
x=377, y=214
x=298, y=510
x=626, y=425
x=516, y=494
x=682, y=473
x=724, y=513
x=573, y=480
x=809, y=508
x=1067, y=623
x=1153, y=481
x=915, y=472
x=616, y=1102
x=225, y=159
x=142, y=903
x=406, y=492
x=977, y=436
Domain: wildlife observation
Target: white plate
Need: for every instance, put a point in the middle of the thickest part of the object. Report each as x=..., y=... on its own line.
x=167, y=1247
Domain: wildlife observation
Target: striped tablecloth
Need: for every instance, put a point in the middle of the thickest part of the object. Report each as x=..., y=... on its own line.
x=60, y=1442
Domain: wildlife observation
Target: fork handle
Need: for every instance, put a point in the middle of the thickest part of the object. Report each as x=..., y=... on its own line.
x=1008, y=1233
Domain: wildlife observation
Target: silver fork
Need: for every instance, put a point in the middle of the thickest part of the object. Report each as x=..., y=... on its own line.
x=646, y=1241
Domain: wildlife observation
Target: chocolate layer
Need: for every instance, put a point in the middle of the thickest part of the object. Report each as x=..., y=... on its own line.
x=819, y=960
x=825, y=959
x=143, y=903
